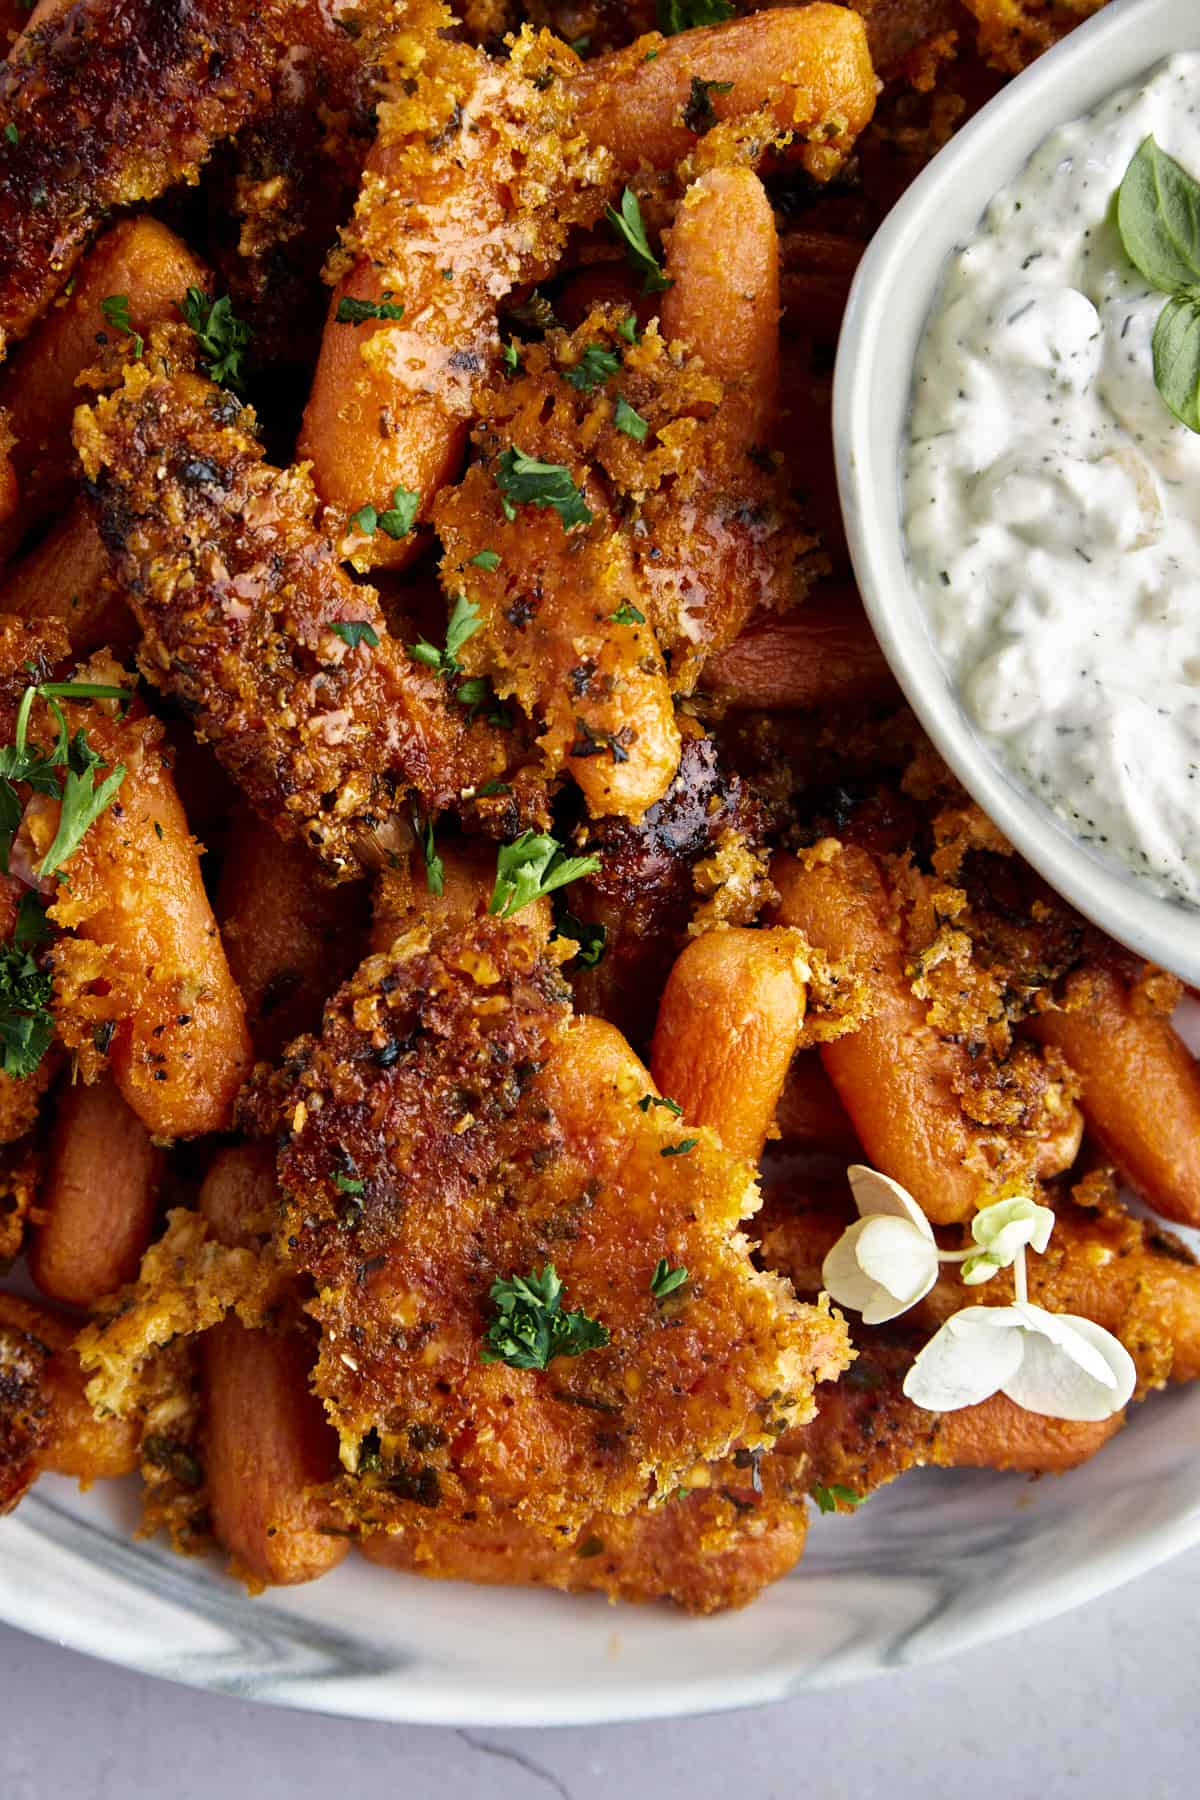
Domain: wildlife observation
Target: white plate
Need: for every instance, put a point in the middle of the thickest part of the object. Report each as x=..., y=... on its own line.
x=938, y=1563
x=935, y=1564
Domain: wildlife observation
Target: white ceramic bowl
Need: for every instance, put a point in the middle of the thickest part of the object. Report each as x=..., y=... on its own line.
x=889, y=303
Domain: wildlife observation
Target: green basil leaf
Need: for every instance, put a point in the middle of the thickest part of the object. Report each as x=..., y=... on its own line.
x=1176, y=346
x=1158, y=216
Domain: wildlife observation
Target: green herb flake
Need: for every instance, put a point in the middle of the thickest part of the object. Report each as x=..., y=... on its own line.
x=348, y=1184
x=591, y=939
x=26, y=1023
x=357, y=312
x=627, y=614
x=435, y=868
x=699, y=115
x=682, y=1148
x=400, y=516
x=832, y=1498
x=485, y=559
x=366, y=520
x=629, y=228
x=510, y=359
x=627, y=420
x=524, y=482
x=530, y=1328
x=463, y=623
x=672, y=1106
x=666, y=1280
x=534, y=865
x=628, y=330
x=580, y=45
x=222, y=338
x=355, y=632
x=674, y=16
x=11, y=134
x=593, y=369
x=115, y=308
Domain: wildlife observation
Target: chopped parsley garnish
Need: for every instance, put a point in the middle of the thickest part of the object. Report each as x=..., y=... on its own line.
x=530, y=1327
x=682, y=1148
x=510, y=360
x=115, y=308
x=435, y=868
x=485, y=559
x=355, y=632
x=348, y=1184
x=699, y=115
x=672, y=1106
x=31, y=926
x=12, y=135
x=687, y=15
x=665, y=1279
x=827, y=1498
x=627, y=420
x=464, y=622
x=534, y=865
x=590, y=938
x=396, y=521
x=357, y=312
x=629, y=228
x=580, y=45
x=628, y=329
x=524, y=482
x=26, y=1024
x=627, y=614
x=593, y=368
x=81, y=800
x=223, y=338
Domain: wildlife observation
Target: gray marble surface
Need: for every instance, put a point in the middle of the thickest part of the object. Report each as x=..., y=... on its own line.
x=1101, y=1703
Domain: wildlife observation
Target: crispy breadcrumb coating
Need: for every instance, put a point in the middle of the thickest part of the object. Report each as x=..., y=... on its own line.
x=239, y=598
x=483, y=1134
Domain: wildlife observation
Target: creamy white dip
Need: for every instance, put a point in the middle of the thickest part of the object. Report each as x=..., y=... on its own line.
x=1053, y=502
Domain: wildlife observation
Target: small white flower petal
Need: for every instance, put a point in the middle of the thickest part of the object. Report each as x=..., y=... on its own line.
x=901, y=1262
x=877, y=1193
x=962, y=1364
x=1075, y=1371
x=1008, y=1225
x=841, y=1276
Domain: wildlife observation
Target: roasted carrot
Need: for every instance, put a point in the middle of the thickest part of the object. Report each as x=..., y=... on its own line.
x=178, y=1041
x=1141, y=1088
x=267, y=1445
x=728, y=1025
x=66, y=577
x=809, y=66
x=46, y=1422
x=138, y=261
x=823, y=654
x=290, y=936
x=894, y=1075
x=98, y=1196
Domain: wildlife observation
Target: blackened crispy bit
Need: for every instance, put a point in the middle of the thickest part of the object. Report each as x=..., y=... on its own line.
x=453, y=1126
x=279, y=191
x=644, y=892
x=240, y=601
x=111, y=102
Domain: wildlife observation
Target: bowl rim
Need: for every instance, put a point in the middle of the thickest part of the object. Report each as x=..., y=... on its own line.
x=903, y=266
